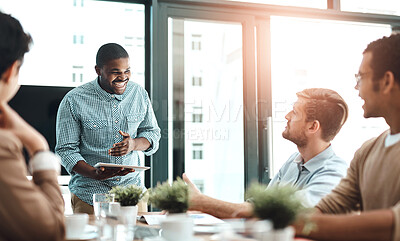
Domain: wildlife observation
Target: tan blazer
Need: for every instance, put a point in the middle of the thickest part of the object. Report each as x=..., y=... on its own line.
x=29, y=210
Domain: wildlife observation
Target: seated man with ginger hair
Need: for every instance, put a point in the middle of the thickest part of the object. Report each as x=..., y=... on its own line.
x=316, y=118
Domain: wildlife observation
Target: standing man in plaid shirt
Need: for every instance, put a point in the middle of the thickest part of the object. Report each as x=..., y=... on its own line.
x=109, y=119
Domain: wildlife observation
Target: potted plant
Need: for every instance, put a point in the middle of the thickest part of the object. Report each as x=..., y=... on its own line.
x=128, y=196
x=171, y=198
x=279, y=205
x=174, y=199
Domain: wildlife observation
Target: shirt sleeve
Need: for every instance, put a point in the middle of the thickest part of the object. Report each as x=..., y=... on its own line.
x=68, y=132
x=396, y=230
x=322, y=183
x=149, y=129
x=45, y=160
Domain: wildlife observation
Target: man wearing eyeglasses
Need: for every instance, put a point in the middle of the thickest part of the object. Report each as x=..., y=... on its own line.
x=372, y=184
x=109, y=120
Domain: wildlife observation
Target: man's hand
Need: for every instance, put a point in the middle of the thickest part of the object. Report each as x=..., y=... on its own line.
x=124, y=147
x=103, y=173
x=100, y=173
x=194, y=192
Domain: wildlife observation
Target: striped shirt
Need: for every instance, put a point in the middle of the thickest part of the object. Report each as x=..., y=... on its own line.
x=88, y=121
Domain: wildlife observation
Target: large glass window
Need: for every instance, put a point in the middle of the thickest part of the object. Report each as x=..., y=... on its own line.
x=389, y=7
x=67, y=35
x=320, y=4
x=326, y=54
x=207, y=112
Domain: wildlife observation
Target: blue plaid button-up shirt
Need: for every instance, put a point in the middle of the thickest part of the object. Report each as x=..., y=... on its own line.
x=88, y=121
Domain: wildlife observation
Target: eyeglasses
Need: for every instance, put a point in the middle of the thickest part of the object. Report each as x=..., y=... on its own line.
x=359, y=77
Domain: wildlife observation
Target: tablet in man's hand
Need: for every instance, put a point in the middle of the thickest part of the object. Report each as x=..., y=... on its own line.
x=112, y=165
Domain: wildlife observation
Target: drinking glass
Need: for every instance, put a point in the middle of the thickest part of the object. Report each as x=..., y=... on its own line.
x=101, y=204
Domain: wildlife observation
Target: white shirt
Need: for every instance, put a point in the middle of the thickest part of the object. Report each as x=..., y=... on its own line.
x=392, y=139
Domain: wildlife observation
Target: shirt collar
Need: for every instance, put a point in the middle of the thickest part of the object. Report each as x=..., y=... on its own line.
x=107, y=96
x=392, y=139
x=314, y=163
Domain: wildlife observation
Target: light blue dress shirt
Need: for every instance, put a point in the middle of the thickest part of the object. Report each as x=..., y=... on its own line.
x=88, y=122
x=314, y=179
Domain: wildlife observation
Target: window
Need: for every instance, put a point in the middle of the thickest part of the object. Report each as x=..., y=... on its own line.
x=389, y=7
x=219, y=105
x=199, y=184
x=77, y=74
x=197, y=116
x=321, y=4
x=326, y=54
x=75, y=78
x=196, y=80
x=78, y=39
x=196, y=41
x=67, y=39
x=78, y=3
x=197, y=151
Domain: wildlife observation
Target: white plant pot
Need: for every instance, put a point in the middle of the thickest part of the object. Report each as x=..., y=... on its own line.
x=128, y=215
x=285, y=234
x=177, y=227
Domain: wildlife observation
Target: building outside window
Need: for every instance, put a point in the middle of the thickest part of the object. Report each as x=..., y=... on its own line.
x=197, y=151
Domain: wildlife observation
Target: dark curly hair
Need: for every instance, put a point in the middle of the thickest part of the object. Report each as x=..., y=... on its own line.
x=385, y=57
x=14, y=42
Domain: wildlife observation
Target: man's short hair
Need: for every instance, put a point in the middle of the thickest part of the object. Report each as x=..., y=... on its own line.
x=14, y=42
x=109, y=52
x=326, y=106
x=385, y=57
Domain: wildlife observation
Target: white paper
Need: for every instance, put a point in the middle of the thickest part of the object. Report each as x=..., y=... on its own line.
x=205, y=219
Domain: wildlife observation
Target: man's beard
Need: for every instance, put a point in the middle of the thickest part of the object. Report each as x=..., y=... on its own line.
x=300, y=140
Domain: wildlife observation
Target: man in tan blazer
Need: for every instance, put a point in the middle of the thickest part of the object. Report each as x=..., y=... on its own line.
x=29, y=210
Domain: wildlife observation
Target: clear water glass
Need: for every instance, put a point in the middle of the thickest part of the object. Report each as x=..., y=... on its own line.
x=101, y=204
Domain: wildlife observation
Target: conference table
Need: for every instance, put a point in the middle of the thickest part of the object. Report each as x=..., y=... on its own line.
x=143, y=227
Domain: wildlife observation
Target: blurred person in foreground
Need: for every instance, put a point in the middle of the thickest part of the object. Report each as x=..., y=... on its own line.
x=366, y=203
x=29, y=210
x=316, y=118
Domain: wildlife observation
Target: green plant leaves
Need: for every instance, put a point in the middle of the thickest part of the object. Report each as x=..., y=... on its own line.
x=173, y=198
x=128, y=195
x=278, y=204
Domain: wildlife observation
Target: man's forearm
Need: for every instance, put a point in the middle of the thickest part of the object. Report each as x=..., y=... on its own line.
x=221, y=209
x=84, y=169
x=373, y=225
x=141, y=144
